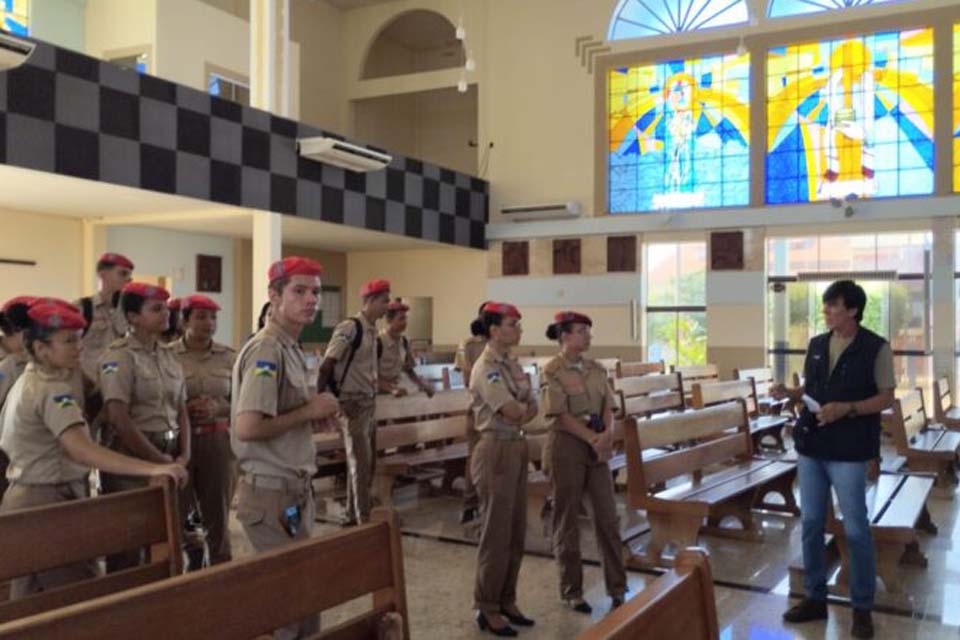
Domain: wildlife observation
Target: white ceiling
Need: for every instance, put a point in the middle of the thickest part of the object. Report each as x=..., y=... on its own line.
x=51, y=194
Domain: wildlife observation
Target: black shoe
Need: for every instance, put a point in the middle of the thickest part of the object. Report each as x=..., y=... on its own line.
x=517, y=618
x=806, y=611
x=505, y=631
x=469, y=514
x=616, y=601
x=579, y=605
x=862, y=624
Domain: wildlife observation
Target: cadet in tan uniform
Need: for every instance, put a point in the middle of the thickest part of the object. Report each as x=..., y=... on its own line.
x=105, y=321
x=46, y=435
x=349, y=369
x=467, y=354
x=579, y=404
x=502, y=403
x=144, y=397
x=13, y=323
x=395, y=354
x=276, y=409
x=207, y=368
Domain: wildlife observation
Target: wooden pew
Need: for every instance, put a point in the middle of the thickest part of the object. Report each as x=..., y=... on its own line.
x=610, y=364
x=436, y=357
x=630, y=369
x=678, y=604
x=250, y=597
x=761, y=426
x=696, y=373
x=43, y=538
x=647, y=395
x=944, y=411
x=440, y=376
x=676, y=514
x=926, y=448
x=762, y=379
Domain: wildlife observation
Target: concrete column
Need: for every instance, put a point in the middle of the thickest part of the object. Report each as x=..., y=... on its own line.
x=270, y=56
x=267, y=236
x=94, y=244
x=943, y=297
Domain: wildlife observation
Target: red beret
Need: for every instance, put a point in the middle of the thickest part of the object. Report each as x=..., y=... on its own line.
x=63, y=304
x=572, y=317
x=12, y=302
x=294, y=266
x=148, y=291
x=503, y=309
x=198, y=302
x=53, y=315
x=173, y=304
x=374, y=287
x=117, y=260
x=397, y=305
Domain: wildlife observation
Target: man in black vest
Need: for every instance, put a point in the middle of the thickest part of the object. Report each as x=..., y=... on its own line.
x=848, y=382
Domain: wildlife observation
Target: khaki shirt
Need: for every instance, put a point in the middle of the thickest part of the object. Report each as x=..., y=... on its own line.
x=496, y=381
x=207, y=373
x=42, y=406
x=272, y=376
x=396, y=358
x=882, y=366
x=362, y=375
x=11, y=368
x=149, y=381
x=580, y=389
x=468, y=353
x=107, y=324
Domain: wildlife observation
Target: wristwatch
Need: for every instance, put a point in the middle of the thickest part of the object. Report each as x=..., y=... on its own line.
x=853, y=413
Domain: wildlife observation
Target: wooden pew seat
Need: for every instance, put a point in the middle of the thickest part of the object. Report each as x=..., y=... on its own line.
x=944, y=411
x=250, y=597
x=678, y=604
x=765, y=429
x=926, y=447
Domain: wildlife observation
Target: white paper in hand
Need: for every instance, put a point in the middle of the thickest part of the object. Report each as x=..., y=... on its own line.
x=812, y=405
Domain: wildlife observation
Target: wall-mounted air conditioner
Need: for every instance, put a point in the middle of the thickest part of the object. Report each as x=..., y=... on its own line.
x=13, y=51
x=542, y=212
x=342, y=154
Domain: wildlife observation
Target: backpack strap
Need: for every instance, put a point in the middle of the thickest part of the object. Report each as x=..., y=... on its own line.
x=357, y=341
x=86, y=305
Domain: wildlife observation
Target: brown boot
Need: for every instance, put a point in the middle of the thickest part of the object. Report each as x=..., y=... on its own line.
x=862, y=624
x=806, y=610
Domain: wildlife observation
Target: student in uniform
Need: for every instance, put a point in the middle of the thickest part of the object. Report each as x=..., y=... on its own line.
x=105, y=320
x=395, y=354
x=47, y=438
x=207, y=367
x=349, y=369
x=13, y=323
x=144, y=396
x=174, y=329
x=502, y=403
x=579, y=405
x=276, y=409
x=467, y=354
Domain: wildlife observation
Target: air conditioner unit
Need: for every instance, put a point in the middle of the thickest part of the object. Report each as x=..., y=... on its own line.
x=342, y=154
x=13, y=51
x=542, y=212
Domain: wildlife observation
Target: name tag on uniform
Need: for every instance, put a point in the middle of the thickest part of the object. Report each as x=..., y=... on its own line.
x=265, y=369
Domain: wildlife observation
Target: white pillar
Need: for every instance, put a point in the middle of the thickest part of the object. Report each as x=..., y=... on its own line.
x=943, y=298
x=267, y=236
x=270, y=56
x=94, y=244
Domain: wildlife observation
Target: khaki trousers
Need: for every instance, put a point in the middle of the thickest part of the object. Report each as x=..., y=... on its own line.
x=260, y=507
x=575, y=473
x=22, y=496
x=499, y=469
x=360, y=441
x=470, y=500
x=212, y=476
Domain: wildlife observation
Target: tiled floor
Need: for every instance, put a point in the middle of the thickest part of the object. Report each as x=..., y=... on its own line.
x=751, y=578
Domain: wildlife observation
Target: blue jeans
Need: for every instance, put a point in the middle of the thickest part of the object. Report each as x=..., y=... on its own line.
x=849, y=482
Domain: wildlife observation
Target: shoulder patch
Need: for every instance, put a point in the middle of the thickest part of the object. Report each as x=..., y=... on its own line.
x=64, y=401
x=108, y=368
x=265, y=369
x=493, y=376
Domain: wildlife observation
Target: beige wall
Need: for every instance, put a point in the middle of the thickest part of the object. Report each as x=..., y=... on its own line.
x=117, y=26
x=318, y=29
x=55, y=243
x=453, y=277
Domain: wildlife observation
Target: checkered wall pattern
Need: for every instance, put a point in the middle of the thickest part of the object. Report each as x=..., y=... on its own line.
x=70, y=114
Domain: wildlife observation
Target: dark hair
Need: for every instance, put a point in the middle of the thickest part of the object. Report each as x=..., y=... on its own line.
x=557, y=329
x=850, y=292
x=262, y=320
x=393, y=313
x=481, y=325
x=103, y=265
x=36, y=333
x=278, y=285
x=15, y=319
x=131, y=303
x=173, y=326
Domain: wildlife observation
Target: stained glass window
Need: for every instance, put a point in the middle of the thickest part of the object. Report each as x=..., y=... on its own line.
x=956, y=107
x=639, y=18
x=784, y=8
x=16, y=16
x=850, y=116
x=678, y=134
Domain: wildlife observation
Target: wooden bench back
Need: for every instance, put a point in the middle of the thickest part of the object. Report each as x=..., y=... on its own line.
x=762, y=378
x=538, y=361
x=443, y=403
x=436, y=357
x=697, y=373
x=909, y=419
x=629, y=369
x=678, y=604
x=250, y=597
x=438, y=375
x=942, y=399
x=722, y=433
x=649, y=394
x=402, y=434
x=610, y=364
x=42, y=538
x=707, y=394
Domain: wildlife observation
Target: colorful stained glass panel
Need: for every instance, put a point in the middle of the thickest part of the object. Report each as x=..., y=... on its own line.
x=15, y=16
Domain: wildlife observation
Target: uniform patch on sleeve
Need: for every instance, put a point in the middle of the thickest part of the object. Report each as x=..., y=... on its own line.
x=265, y=369
x=108, y=368
x=64, y=401
x=493, y=376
